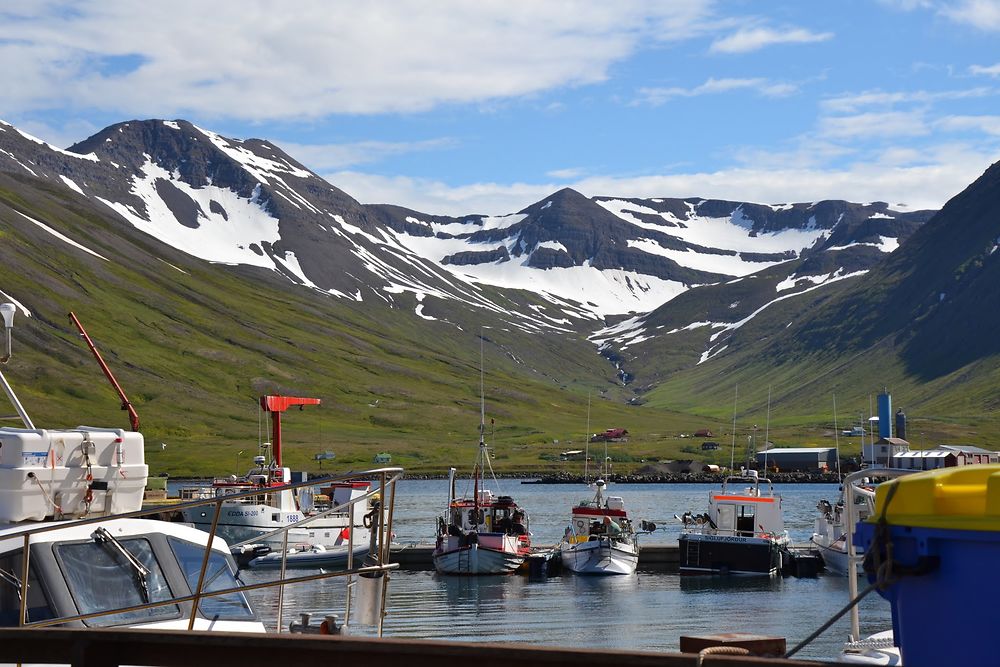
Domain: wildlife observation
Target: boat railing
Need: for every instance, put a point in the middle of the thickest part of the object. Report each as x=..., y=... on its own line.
x=376, y=564
x=850, y=489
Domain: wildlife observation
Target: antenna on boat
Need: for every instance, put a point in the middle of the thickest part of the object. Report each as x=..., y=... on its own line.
x=836, y=437
x=732, y=454
x=7, y=312
x=586, y=448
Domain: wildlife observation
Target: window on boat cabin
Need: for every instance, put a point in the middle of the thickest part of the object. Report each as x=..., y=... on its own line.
x=219, y=576
x=38, y=609
x=746, y=521
x=101, y=578
x=727, y=518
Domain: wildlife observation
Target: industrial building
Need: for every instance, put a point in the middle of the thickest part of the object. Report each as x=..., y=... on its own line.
x=798, y=459
x=943, y=456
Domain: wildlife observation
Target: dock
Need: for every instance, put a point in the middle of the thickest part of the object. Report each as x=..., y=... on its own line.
x=652, y=558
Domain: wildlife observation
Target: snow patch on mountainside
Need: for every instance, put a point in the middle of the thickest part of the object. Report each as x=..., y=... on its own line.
x=215, y=239
x=733, y=326
x=90, y=157
x=62, y=237
x=732, y=233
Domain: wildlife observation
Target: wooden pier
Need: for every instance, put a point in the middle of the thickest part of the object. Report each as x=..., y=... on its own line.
x=97, y=647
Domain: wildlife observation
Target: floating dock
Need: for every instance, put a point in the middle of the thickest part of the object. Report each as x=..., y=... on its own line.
x=652, y=558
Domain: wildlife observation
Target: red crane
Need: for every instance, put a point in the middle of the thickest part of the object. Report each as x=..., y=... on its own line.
x=276, y=405
x=133, y=416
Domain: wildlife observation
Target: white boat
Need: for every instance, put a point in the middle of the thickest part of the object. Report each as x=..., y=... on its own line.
x=313, y=556
x=600, y=538
x=74, y=551
x=742, y=533
x=831, y=529
x=325, y=519
x=482, y=533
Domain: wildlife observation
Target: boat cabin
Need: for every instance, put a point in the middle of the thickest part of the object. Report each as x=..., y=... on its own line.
x=746, y=512
x=493, y=515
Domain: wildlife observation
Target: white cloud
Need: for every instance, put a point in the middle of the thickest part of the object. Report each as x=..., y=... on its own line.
x=564, y=174
x=874, y=124
x=248, y=59
x=980, y=70
x=658, y=96
x=852, y=102
x=340, y=156
x=984, y=124
x=754, y=39
x=438, y=198
x=923, y=179
x=981, y=14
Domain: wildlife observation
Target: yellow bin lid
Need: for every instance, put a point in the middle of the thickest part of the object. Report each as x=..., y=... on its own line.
x=960, y=498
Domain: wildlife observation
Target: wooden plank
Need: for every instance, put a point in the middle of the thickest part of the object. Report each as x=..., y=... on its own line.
x=110, y=648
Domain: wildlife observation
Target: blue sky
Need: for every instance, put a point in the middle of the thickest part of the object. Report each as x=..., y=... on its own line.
x=486, y=107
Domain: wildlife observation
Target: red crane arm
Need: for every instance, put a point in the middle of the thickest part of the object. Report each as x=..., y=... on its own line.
x=133, y=416
x=276, y=405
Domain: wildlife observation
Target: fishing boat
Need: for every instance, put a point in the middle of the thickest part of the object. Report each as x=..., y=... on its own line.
x=742, y=533
x=600, y=538
x=75, y=550
x=483, y=533
x=325, y=518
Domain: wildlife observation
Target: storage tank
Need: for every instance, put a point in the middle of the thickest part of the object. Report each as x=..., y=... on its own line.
x=901, y=424
x=885, y=415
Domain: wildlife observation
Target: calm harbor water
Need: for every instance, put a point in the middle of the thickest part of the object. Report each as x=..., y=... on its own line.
x=643, y=612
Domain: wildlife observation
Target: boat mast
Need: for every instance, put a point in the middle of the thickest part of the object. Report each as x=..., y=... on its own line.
x=732, y=454
x=836, y=437
x=767, y=426
x=586, y=447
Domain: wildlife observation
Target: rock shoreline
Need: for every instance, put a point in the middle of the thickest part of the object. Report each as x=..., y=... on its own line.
x=685, y=478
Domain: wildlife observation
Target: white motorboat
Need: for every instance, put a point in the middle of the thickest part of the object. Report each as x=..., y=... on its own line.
x=831, y=528
x=313, y=556
x=600, y=538
x=325, y=518
x=75, y=552
x=742, y=533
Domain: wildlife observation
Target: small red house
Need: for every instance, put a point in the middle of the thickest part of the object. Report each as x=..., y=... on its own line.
x=611, y=435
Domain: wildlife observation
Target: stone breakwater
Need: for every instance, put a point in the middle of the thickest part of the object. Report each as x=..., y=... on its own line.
x=684, y=478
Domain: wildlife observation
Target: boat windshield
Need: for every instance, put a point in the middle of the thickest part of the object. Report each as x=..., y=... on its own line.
x=101, y=577
x=218, y=576
x=38, y=608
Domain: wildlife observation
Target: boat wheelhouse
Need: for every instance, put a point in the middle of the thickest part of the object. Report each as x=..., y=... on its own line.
x=742, y=533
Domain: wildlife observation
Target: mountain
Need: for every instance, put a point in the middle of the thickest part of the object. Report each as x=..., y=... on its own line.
x=162, y=226
x=922, y=322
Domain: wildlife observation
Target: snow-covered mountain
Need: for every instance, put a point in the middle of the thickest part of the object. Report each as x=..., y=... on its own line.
x=566, y=263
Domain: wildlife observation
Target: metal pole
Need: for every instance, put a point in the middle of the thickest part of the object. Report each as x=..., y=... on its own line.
x=16, y=403
x=24, y=583
x=204, y=563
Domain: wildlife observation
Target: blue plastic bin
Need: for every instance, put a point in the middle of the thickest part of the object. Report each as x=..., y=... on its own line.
x=946, y=615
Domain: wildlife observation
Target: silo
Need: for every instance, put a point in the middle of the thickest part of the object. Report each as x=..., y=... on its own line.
x=901, y=424
x=885, y=415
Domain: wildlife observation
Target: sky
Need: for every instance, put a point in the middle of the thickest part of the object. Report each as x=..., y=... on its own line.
x=482, y=106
